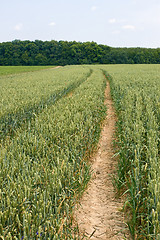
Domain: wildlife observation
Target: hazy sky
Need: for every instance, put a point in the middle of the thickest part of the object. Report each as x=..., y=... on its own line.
x=117, y=23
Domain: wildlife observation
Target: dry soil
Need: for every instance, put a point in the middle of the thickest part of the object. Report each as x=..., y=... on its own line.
x=99, y=214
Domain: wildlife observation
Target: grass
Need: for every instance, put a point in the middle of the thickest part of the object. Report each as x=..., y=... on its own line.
x=7, y=70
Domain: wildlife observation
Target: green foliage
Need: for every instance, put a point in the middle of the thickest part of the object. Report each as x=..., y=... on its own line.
x=71, y=53
x=43, y=168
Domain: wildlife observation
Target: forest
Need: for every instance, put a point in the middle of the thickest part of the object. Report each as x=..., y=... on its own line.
x=33, y=53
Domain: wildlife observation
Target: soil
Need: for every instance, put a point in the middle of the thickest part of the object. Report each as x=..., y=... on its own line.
x=57, y=67
x=99, y=214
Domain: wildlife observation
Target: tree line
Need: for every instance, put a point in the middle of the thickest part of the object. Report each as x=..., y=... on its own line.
x=28, y=53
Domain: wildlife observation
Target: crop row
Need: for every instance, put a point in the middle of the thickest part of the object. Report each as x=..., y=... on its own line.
x=44, y=167
x=26, y=95
x=136, y=94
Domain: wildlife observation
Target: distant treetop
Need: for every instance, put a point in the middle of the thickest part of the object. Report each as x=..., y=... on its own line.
x=28, y=53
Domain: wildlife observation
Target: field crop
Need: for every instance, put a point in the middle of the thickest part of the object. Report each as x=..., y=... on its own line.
x=50, y=123
x=44, y=164
x=136, y=94
x=25, y=95
x=8, y=70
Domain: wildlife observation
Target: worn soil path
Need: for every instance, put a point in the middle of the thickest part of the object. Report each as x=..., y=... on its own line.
x=99, y=215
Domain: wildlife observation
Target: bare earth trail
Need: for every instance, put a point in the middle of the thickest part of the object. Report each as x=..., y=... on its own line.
x=98, y=214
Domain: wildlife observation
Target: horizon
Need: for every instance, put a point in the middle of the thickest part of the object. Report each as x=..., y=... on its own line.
x=76, y=42
x=118, y=24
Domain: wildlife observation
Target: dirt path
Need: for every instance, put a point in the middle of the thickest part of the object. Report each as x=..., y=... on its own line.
x=99, y=215
x=57, y=67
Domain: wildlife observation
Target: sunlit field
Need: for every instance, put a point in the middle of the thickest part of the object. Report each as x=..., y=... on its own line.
x=50, y=124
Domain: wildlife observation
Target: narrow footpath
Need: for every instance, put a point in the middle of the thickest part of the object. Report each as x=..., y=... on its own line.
x=98, y=214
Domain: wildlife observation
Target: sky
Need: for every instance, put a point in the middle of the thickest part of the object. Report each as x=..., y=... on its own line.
x=116, y=23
